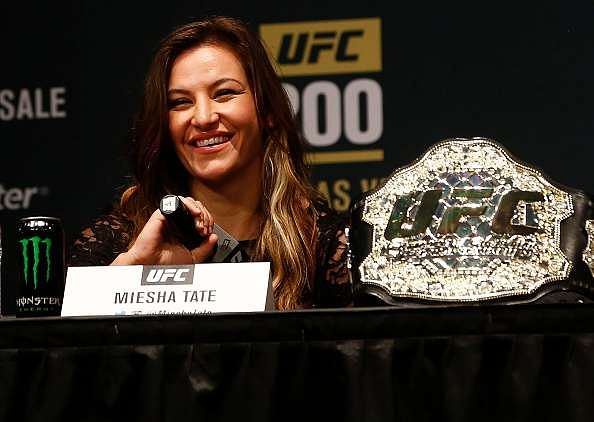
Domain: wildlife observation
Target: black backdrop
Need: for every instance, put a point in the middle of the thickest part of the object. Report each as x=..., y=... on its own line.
x=72, y=72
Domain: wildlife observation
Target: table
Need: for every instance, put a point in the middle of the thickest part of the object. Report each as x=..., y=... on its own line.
x=500, y=363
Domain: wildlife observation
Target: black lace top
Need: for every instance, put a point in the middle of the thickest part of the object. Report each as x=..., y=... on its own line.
x=110, y=235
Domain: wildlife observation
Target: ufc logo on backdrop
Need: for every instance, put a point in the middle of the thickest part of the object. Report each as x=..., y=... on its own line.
x=315, y=43
x=325, y=47
x=166, y=275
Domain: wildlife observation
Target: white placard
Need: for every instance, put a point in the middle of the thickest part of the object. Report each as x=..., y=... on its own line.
x=165, y=290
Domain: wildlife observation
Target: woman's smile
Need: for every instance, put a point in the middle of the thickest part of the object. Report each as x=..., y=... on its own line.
x=211, y=141
x=209, y=144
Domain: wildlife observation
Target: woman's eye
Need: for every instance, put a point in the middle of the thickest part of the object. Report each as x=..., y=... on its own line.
x=176, y=102
x=226, y=92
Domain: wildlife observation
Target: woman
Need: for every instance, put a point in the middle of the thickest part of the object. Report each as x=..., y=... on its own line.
x=217, y=127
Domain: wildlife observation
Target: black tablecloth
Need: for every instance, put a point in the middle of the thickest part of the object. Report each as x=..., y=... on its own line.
x=504, y=363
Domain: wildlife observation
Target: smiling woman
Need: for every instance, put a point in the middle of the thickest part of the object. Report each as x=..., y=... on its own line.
x=213, y=120
x=217, y=128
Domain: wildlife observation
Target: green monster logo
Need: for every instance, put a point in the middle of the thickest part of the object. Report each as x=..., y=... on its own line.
x=36, y=240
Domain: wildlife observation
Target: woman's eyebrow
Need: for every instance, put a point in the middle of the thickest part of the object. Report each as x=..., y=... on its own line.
x=177, y=91
x=215, y=84
x=223, y=80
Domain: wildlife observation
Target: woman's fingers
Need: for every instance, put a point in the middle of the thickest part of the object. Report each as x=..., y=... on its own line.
x=148, y=246
x=205, y=250
x=152, y=232
x=203, y=219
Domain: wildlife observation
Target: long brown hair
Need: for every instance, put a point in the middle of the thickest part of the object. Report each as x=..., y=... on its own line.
x=288, y=231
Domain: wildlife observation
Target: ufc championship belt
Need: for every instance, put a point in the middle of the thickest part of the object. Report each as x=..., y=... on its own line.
x=467, y=222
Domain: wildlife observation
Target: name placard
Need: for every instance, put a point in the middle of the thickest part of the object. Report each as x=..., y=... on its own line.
x=166, y=289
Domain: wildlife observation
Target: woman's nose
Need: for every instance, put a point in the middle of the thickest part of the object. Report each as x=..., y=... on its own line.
x=205, y=116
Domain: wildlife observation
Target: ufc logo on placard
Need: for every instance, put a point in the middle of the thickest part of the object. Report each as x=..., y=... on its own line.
x=166, y=275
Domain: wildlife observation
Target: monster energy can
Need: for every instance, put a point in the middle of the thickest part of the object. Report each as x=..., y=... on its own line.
x=40, y=267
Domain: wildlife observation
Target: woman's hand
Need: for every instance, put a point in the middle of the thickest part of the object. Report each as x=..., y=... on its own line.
x=154, y=247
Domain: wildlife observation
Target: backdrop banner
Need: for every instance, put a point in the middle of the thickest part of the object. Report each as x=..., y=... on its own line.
x=372, y=85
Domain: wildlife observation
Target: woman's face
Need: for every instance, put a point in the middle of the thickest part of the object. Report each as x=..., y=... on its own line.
x=212, y=116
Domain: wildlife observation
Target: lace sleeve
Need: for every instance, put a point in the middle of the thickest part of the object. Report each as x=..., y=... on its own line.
x=102, y=242
x=333, y=284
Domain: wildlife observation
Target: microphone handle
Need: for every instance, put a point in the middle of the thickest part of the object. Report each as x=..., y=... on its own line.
x=180, y=221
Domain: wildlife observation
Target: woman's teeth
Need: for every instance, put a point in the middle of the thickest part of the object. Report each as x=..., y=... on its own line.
x=210, y=141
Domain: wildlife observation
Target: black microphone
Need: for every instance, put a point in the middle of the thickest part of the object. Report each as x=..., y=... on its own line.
x=181, y=224
x=180, y=221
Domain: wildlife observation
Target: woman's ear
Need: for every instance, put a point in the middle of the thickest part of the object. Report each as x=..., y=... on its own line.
x=269, y=122
x=268, y=128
